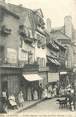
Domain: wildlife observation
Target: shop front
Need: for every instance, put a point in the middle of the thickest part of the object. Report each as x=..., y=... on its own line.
x=44, y=75
x=30, y=82
x=10, y=80
x=66, y=78
x=53, y=78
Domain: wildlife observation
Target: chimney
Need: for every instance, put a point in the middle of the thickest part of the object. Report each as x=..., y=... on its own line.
x=48, y=23
x=68, y=26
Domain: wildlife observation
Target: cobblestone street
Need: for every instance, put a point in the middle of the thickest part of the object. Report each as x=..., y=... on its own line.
x=47, y=106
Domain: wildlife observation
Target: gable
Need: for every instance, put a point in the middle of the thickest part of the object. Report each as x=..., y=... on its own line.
x=39, y=12
x=27, y=22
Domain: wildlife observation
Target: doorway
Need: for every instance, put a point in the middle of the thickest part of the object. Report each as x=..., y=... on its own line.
x=4, y=86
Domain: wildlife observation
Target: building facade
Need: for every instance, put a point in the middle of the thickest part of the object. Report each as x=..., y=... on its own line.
x=9, y=70
x=55, y=59
x=22, y=50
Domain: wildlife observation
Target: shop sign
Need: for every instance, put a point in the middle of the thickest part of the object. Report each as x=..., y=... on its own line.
x=11, y=55
x=23, y=56
x=53, y=77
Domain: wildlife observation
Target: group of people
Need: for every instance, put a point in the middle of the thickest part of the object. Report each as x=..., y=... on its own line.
x=69, y=93
x=46, y=92
x=10, y=101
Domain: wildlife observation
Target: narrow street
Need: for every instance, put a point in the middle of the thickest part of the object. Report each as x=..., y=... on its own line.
x=47, y=106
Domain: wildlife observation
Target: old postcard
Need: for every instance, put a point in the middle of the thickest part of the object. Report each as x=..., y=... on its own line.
x=38, y=58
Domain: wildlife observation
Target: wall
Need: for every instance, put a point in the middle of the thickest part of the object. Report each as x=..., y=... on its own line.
x=39, y=52
x=0, y=85
x=12, y=40
x=23, y=52
x=13, y=84
x=69, y=57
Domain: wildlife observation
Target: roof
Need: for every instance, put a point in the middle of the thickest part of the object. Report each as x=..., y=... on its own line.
x=53, y=45
x=6, y=9
x=54, y=61
x=60, y=45
x=39, y=12
x=57, y=34
x=23, y=12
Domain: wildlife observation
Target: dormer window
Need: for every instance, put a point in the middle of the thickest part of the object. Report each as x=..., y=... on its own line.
x=5, y=30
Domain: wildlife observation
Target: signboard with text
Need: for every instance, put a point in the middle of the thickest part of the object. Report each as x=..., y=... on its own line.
x=11, y=55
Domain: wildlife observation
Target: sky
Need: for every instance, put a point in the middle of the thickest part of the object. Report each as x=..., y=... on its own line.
x=56, y=10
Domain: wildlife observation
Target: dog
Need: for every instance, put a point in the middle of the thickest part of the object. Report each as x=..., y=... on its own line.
x=62, y=103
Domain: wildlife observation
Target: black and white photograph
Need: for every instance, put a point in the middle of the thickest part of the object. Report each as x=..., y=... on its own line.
x=37, y=58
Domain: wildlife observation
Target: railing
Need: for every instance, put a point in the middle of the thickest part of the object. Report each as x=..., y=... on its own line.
x=22, y=32
x=31, y=67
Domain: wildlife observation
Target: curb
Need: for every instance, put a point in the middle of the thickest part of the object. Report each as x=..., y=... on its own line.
x=30, y=106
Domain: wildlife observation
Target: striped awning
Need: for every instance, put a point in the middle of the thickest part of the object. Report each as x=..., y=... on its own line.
x=54, y=61
x=32, y=77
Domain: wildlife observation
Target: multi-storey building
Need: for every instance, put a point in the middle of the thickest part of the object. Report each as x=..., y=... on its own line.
x=55, y=59
x=9, y=70
x=66, y=36
x=40, y=48
x=22, y=49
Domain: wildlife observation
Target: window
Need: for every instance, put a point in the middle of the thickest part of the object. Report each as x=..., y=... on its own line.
x=43, y=59
x=1, y=54
x=30, y=57
x=23, y=55
x=5, y=30
x=30, y=33
x=41, y=62
x=38, y=60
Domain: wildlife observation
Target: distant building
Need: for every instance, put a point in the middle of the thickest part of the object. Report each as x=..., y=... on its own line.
x=55, y=59
x=66, y=36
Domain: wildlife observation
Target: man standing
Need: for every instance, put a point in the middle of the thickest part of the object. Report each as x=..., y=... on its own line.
x=40, y=90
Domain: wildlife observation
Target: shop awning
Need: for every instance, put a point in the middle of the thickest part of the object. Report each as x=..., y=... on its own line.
x=32, y=77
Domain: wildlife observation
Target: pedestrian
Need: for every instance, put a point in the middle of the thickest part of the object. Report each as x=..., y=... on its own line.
x=35, y=94
x=20, y=98
x=54, y=91
x=4, y=100
x=12, y=101
x=29, y=93
x=45, y=93
x=40, y=90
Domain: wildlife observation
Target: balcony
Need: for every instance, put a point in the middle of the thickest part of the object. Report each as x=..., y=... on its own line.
x=26, y=34
x=22, y=31
x=5, y=31
x=31, y=67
